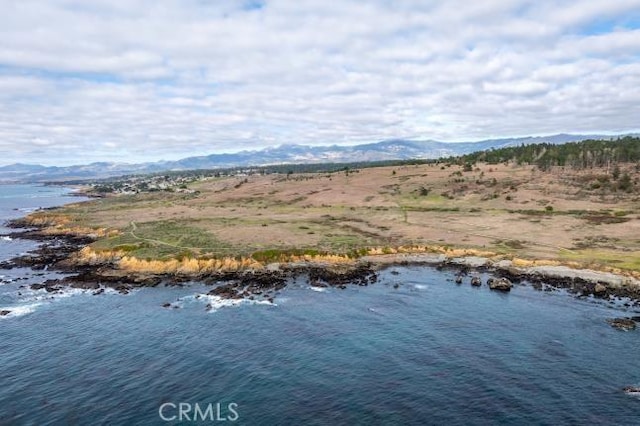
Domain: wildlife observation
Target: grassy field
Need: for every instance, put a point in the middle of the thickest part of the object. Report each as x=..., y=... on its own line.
x=507, y=209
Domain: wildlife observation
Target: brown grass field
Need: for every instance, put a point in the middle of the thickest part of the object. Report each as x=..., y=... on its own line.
x=505, y=209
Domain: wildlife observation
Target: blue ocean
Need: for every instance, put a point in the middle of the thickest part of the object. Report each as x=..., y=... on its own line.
x=426, y=352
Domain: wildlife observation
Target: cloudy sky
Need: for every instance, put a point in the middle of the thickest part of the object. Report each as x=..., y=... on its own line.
x=132, y=80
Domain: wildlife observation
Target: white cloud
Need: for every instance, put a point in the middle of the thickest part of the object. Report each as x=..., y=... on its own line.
x=140, y=79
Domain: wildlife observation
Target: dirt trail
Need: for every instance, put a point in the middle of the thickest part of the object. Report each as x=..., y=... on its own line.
x=134, y=227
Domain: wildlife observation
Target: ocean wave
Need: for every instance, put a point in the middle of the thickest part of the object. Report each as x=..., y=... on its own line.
x=6, y=238
x=31, y=299
x=42, y=294
x=19, y=310
x=216, y=302
x=318, y=289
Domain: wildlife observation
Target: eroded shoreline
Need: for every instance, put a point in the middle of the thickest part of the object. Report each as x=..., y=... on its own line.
x=262, y=281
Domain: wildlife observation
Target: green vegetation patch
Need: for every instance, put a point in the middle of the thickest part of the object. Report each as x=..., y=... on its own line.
x=164, y=239
x=511, y=244
x=176, y=233
x=276, y=255
x=345, y=243
x=622, y=260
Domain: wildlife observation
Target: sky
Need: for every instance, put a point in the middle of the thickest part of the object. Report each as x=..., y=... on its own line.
x=143, y=80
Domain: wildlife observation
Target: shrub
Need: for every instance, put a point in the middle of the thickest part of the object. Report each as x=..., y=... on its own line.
x=625, y=184
x=615, y=174
x=424, y=191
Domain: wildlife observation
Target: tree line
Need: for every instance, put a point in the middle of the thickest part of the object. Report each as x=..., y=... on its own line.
x=579, y=155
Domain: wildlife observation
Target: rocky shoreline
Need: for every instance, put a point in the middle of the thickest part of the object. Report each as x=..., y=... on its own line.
x=55, y=253
x=580, y=282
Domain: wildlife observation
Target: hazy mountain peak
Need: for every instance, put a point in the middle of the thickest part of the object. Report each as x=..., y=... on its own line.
x=391, y=149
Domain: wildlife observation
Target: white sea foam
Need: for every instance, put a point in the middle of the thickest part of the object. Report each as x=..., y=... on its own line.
x=421, y=286
x=20, y=310
x=318, y=289
x=42, y=295
x=28, y=295
x=6, y=238
x=34, y=295
x=67, y=292
x=633, y=392
x=32, y=299
x=217, y=302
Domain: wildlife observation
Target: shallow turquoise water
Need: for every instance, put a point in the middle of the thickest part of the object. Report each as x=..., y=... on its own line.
x=428, y=352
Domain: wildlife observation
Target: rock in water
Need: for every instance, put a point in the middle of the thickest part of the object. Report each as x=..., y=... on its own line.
x=501, y=284
x=632, y=390
x=459, y=279
x=4, y=313
x=624, y=324
x=476, y=282
x=600, y=289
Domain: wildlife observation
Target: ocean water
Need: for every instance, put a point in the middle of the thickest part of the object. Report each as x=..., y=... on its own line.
x=427, y=352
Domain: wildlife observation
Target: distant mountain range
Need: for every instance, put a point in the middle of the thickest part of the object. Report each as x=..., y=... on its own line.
x=285, y=154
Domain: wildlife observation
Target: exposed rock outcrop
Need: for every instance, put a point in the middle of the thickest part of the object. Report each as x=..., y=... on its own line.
x=500, y=284
x=624, y=324
x=599, y=289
